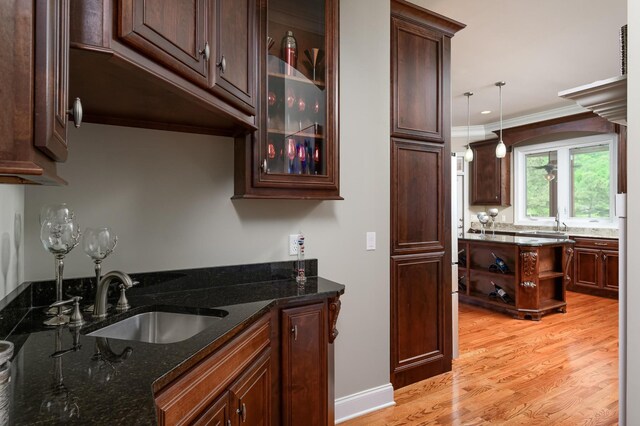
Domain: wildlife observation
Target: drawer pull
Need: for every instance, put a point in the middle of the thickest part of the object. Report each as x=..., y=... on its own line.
x=600, y=244
x=528, y=284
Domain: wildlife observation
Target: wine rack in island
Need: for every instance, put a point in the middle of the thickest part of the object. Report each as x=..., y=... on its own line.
x=526, y=277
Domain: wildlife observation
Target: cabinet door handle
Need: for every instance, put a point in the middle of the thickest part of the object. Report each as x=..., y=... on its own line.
x=75, y=112
x=294, y=331
x=604, y=257
x=205, y=52
x=222, y=64
x=264, y=165
x=243, y=412
x=228, y=422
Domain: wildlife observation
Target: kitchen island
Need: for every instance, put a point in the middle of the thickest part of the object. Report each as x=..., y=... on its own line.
x=265, y=323
x=523, y=276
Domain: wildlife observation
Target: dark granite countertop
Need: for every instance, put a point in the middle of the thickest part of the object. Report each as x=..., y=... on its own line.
x=76, y=387
x=514, y=239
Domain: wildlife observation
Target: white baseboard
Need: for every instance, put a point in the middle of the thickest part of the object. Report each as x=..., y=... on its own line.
x=361, y=403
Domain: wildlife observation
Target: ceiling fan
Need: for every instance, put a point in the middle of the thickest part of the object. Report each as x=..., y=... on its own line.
x=551, y=167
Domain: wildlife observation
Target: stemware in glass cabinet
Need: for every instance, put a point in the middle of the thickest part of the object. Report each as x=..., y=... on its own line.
x=296, y=89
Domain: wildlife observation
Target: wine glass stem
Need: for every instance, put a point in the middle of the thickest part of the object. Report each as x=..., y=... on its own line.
x=98, y=269
x=59, y=273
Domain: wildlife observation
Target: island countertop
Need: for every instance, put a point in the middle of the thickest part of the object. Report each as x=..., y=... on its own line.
x=514, y=240
x=119, y=387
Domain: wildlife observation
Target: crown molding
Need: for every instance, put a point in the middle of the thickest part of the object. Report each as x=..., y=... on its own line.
x=482, y=132
x=607, y=98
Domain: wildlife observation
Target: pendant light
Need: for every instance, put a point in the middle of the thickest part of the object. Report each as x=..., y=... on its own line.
x=468, y=154
x=501, y=149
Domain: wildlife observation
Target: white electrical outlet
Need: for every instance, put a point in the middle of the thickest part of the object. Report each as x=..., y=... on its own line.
x=371, y=240
x=293, y=245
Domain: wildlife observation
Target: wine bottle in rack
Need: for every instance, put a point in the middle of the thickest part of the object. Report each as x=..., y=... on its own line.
x=498, y=265
x=499, y=293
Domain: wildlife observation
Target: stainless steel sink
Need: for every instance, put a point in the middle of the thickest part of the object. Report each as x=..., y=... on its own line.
x=550, y=234
x=160, y=327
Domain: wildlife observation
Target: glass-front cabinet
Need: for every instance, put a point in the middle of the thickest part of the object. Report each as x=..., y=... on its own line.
x=295, y=152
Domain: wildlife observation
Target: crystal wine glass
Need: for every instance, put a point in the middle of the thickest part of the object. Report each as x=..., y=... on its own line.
x=58, y=212
x=493, y=213
x=98, y=243
x=483, y=218
x=59, y=235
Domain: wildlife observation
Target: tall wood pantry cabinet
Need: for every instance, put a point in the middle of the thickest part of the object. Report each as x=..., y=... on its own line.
x=420, y=193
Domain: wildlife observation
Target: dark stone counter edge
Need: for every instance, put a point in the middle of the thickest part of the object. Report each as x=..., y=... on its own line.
x=167, y=378
x=534, y=241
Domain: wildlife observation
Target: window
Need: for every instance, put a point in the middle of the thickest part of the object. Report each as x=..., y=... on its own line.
x=575, y=179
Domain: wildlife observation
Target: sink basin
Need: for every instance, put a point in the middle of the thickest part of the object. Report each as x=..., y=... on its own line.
x=161, y=327
x=550, y=234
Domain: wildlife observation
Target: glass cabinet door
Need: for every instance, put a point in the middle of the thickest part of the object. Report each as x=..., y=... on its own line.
x=298, y=137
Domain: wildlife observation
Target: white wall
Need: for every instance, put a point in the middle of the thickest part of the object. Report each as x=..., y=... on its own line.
x=167, y=196
x=633, y=212
x=11, y=237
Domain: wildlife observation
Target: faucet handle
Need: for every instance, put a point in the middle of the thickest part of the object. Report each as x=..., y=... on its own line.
x=123, y=303
x=76, y=319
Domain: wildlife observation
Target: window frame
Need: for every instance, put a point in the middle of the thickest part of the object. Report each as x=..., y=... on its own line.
x=563, y=194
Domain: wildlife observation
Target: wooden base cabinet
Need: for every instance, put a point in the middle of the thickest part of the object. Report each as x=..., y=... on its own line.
x=233, y=384
x=595, y=267
x=304, y=341
x=277, y=371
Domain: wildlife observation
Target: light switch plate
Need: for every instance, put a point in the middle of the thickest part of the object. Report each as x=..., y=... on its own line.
x=371, y=240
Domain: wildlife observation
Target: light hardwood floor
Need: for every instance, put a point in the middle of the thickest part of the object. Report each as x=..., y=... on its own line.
x=562, y=370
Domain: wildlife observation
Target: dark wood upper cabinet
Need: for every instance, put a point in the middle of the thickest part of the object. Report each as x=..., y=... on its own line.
x=304, y=365
x=416, y=87
x=171, y=32
x=295, y=152
x=154, y=64
x=34, y=49
x=235, y=55
x=212, y=43
x=490, y=176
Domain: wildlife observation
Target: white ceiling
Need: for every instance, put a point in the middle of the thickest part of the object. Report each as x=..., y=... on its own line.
x=538, y=47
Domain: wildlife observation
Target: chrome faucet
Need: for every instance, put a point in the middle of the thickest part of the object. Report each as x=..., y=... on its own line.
x=100, y=305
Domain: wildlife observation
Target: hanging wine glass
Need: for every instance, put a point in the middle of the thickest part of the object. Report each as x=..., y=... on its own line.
x=59, y=238
x=98, y=243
